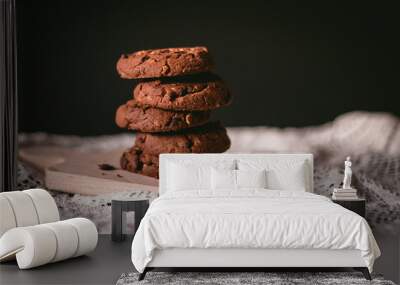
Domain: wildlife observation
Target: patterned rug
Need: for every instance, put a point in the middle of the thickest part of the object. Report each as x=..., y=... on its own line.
x=269, y=278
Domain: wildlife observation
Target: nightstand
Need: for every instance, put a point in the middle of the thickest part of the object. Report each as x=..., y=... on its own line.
x=356, y=205
x=118, y=207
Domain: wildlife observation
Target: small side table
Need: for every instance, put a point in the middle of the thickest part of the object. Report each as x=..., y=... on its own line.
x=356, y=205
x=118, y=207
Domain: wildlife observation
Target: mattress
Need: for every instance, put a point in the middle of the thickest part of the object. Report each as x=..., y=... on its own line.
x=250, y=218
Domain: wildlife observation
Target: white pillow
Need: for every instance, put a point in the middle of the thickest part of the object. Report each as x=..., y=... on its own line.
x=184, y=175
x=181, y=177
x=251, y=178
x=223, y=179
x=236, y=179
x=281, y=174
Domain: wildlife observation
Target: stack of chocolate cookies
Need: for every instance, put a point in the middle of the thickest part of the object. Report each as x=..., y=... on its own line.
x=171, y=106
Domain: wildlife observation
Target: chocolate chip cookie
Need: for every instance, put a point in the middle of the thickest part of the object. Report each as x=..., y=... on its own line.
x=143, y=156
x=134, y=160
x=135, y=116
x=197, y=92
x=164, y=62
x=210, y=138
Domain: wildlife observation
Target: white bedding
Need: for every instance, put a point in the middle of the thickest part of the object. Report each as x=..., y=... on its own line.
x=250, y=218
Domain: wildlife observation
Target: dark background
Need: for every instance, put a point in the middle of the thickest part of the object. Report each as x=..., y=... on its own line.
x=287, y=63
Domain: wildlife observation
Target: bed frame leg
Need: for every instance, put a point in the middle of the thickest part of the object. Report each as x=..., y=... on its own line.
x=143, y=274
x=364, y=271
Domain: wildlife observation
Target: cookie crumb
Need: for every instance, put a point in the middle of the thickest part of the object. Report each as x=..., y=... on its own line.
x=106, y=167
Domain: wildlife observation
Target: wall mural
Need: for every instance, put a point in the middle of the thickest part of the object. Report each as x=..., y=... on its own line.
x=93, y=123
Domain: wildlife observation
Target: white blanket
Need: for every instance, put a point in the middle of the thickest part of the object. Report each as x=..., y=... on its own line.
x=250, y=219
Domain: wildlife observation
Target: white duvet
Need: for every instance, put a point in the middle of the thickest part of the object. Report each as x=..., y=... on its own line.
x=250, y=219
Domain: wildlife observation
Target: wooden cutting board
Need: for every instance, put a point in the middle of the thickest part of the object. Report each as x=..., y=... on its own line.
x=88, y=173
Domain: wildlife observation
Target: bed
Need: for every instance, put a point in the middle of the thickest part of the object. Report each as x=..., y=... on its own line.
x=247, y=210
